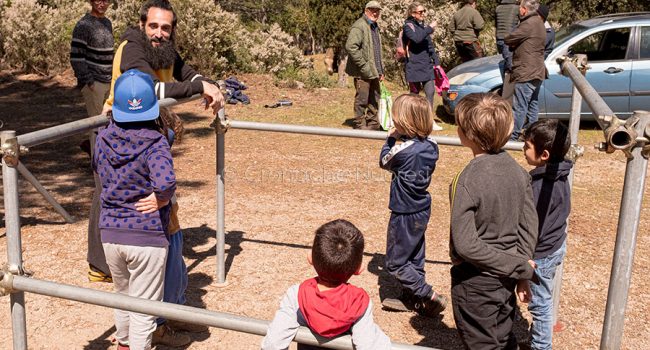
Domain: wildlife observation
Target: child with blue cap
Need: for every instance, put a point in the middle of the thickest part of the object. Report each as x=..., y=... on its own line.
x=135, y=165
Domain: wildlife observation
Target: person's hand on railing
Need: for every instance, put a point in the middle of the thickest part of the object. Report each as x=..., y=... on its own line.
x=149, y=204
x=106, y=109
x=213, y=96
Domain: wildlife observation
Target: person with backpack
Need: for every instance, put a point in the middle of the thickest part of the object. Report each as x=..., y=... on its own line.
x=420, y=54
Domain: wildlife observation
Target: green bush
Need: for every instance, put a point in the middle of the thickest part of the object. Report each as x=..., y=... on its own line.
x=315, y=80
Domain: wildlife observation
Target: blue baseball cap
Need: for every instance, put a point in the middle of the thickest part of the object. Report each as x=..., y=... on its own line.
x=135, y=98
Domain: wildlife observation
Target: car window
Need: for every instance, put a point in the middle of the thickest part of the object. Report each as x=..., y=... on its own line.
x=645, y=43
x=567, y=32
x=608, y=45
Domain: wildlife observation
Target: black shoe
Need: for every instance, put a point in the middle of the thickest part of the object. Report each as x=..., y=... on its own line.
x=431, y=306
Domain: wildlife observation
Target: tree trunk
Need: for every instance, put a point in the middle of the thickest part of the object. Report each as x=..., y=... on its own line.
x=343, y=78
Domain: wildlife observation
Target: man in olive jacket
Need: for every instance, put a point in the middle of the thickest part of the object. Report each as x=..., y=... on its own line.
x=528, y=70
x=365, y=65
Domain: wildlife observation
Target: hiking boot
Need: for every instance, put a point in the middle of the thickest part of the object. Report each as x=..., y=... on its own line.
x=94, y=275
x=163, y=335
x=187, y=327
x=431, y=306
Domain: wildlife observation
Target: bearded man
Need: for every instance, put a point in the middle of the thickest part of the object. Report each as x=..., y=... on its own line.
x=150, y=48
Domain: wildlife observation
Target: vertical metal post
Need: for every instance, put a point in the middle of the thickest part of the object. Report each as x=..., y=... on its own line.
x=628, y=225
x=574, y=128
x=14, y=245
x=221, y=212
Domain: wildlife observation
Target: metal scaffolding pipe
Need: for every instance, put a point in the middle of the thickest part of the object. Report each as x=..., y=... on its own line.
x=14, y=244
x=574, y=128
x=588, y=93
x=616, y=135
x=626, y=235
x=64, y=130
x=48, y=197
x=221, y=198
x=170, y=311
x=361, y=134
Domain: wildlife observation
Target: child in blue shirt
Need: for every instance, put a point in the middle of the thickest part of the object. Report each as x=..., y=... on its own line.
x=547, y=141
x=412, y=163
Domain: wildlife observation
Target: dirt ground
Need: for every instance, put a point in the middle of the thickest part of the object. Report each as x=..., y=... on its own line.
x=279, y=189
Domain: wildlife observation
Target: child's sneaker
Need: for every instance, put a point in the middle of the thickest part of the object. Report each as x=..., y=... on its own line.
x=431, y=306
x=94, y=275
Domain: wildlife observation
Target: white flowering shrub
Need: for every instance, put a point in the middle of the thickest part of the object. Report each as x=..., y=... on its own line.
x=127, y=14
x=37, y=37
x=273, y=51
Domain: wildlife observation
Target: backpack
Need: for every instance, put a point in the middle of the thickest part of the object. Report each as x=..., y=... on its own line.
x=402, y=50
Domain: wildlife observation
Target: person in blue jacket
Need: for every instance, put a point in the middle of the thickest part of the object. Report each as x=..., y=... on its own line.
x=411, y=162
x=421, y=56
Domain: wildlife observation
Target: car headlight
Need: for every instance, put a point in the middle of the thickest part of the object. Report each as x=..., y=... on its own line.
x=460, y=79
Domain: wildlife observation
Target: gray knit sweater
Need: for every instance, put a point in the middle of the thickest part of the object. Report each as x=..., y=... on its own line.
x=91, y=50
x=493, y=217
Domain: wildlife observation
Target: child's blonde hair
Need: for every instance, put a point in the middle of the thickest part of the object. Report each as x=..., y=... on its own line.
x=412, y=115
x=486, y=120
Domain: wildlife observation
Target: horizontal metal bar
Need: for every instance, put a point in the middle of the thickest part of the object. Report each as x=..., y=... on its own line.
x=338, y=132
x=171, y=311
x=64, y=130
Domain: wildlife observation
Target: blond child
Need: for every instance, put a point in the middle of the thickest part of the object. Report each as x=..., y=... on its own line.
x=412, y=163
x=493, y=227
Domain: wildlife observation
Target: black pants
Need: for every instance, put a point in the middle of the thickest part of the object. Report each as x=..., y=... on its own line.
x=366, y=102
x=484, y=308
x=469, y=50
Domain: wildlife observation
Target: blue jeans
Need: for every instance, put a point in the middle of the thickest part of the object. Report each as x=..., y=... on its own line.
x=541, y=306
x=175, y=273
x=525, y=106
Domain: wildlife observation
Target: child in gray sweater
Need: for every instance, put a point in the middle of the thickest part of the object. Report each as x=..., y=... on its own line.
x=327, y=304
x=493, y=227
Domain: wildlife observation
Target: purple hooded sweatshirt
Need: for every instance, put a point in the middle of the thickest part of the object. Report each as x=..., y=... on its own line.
x=133, y=163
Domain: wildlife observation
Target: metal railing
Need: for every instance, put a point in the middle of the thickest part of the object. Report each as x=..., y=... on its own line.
x=630, y=136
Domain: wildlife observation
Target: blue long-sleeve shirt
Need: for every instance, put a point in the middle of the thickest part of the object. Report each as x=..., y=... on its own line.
x=412, y=163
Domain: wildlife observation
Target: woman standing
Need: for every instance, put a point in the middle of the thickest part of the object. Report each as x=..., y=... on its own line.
x=421, y=55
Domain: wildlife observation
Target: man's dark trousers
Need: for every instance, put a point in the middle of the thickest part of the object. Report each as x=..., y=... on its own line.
x=468, y=50
x=484, y=308
x=405, y=251
x=366, y=103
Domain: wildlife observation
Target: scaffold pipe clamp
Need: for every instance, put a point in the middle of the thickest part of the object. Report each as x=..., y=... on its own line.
x=221, y=124
x=11, y=151
x=6, y=281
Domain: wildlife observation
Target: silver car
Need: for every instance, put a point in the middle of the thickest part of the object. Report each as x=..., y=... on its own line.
x=618, y=50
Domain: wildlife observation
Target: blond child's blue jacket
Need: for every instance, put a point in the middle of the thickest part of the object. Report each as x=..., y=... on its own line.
x=412, y=163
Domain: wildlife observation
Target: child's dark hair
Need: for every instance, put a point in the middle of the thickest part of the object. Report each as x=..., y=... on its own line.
x=337, y=251
x=549, y=135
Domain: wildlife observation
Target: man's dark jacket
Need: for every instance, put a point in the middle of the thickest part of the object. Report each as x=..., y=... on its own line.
x=527, y=43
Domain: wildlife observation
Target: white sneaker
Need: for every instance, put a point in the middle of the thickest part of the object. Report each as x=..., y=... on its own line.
x=436, y=127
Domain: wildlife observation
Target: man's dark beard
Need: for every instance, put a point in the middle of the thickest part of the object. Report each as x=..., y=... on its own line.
x=159, y=57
